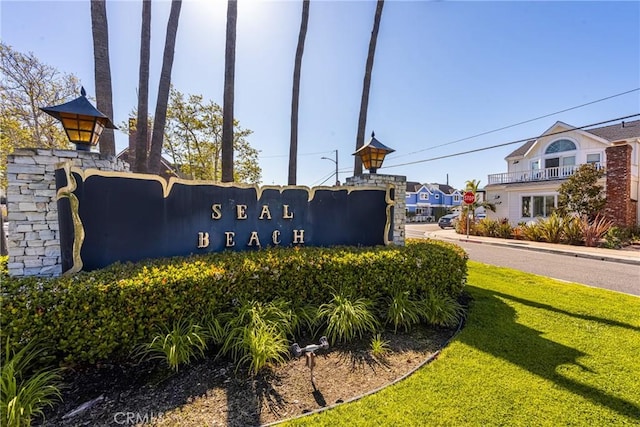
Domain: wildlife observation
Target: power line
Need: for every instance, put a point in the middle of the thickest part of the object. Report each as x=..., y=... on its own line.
x=324, y=179
x=518, y=124
x=299, y=155
x=508, y=143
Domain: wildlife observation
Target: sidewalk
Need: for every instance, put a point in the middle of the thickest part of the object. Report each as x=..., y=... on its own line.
x=613, y=255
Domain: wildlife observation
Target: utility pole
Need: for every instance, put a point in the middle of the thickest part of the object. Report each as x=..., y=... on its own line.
x=336, y=162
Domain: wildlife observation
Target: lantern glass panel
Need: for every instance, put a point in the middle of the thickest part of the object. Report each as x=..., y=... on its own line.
x=85, y=123
x=73, y=135
x=97, y=132
x=366, y=159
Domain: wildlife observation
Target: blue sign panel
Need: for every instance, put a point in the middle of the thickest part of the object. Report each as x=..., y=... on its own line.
x=110, y=216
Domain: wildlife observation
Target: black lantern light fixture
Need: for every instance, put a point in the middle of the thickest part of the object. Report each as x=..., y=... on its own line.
x=373, y=153
x=82, y=122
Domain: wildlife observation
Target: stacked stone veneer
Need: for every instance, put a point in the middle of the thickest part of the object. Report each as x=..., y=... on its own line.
x=620, y=208
x=34, y=243
x=400, y=203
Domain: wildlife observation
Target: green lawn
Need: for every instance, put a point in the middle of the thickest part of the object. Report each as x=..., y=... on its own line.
x=534, y=351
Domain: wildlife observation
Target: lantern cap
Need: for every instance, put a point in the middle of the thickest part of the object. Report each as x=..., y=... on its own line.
x=80, y=106
x=374, y=143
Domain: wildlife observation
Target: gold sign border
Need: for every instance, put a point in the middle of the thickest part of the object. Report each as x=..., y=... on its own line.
x=78, y=228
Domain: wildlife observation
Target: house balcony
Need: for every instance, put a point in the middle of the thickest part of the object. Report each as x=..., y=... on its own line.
x=548, y=174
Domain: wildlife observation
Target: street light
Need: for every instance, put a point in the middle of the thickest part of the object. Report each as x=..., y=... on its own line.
x=373, y=153
x=336, y=162
x=82, y=122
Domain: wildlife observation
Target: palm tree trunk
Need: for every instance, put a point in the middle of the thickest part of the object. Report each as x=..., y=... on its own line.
x=364, y=102
x=142, y=124
x=164, y=87
x=102, y=71
x=295, y=95
x=229, y=76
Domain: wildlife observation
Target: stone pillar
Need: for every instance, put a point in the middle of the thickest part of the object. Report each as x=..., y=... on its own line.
x=34, y=243
x=399, y=205
x=620, y=208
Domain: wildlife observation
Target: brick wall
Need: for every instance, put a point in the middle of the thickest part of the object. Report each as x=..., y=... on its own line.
x=34, y=244
x=620, y=209
x=399, y=205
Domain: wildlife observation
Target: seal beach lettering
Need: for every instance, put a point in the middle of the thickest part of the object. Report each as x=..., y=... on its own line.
x=253, y=240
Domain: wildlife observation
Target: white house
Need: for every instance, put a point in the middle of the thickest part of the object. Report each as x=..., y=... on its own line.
x=535, y=170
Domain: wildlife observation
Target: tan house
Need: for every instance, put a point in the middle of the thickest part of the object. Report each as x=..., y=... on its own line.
x=535, y=170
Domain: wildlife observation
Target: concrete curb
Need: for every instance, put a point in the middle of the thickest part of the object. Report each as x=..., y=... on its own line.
x=532, y=247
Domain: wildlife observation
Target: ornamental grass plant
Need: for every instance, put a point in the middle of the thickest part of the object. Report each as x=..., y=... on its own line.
x=379, y=347
x=177, y=345
x=347, y=317
x=255, y=334
x=25, y=388
x=403, y=310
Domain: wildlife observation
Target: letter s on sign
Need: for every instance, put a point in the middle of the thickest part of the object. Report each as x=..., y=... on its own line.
x=217, y=213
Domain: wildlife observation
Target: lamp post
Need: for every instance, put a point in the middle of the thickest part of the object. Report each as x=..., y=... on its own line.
x=336, y=162
x=373, y=153
x=81, y=121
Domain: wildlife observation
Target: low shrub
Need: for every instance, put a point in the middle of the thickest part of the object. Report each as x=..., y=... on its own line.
x=486, y=227
x=593, y=231
x=505, y=230
x=551, y=228
x=532, y=231
x=618, y=237
x=109, y=312
x=572, y=230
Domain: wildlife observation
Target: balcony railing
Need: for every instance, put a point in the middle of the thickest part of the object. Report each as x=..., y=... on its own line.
x=548, y=174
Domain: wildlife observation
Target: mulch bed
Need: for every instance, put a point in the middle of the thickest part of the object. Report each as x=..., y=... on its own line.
x=211, y=392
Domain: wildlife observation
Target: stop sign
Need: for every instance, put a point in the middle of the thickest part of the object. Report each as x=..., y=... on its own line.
x=469, y=197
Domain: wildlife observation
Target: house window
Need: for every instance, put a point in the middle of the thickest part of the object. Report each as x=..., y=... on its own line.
x=559, y=146
x=560, y=165
x=456, y=197
x=424, y=196
x=526, y=207
x=593, y=158
x=437, y=196
x=538, y=206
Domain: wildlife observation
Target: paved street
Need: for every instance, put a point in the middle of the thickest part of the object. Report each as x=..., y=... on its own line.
x=609, y=269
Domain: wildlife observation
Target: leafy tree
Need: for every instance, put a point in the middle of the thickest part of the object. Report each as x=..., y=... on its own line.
x=164, y=87
x=582, y=194
x=193, y=140
x=26, y=85
x=102, y=71
x=364, y=102
x=229, y=92
x=295, y=95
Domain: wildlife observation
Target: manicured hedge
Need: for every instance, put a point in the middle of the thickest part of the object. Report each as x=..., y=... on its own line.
x=104, y=314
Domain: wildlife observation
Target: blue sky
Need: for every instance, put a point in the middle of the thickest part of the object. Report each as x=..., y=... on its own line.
x=443, y=71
